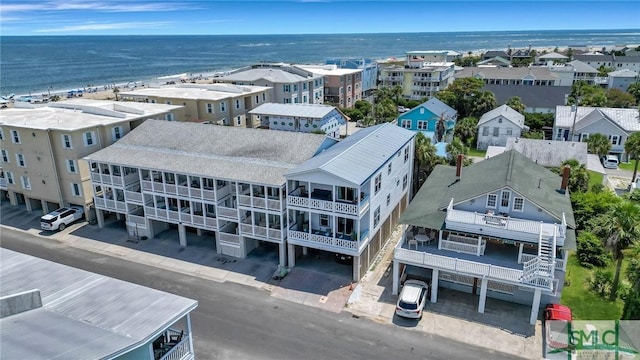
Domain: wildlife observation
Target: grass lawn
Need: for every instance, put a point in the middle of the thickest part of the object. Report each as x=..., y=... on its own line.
x=627, y=166
x=585, y=304
x=476, y=152
x=594, y=178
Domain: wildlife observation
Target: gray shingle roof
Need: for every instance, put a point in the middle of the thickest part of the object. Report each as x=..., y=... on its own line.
x=439, y=108
x=83, y=315
x=549, y=153
x=316, y=111
x=624, y=73
x=504, y=111
x=627, y=119
x=552, y=55
x=579, y=66
x=516, y=73
x=509, y=169
x=547, y=97
x=359, y=156
x=249, y=155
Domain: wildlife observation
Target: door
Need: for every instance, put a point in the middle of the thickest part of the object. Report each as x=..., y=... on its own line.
x=505, y=200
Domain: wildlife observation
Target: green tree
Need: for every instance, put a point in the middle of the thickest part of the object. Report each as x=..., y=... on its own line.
x=617, y=98
x=584, y=94
x=588, y=205
x=632, y=147
x=620, y=227
x=604, y=70
x=397, y=91
x=631, y=310
x=516, y=104
x=425, y=159
x=353, y=113
x=532, y=134
x=454, y=148
x=634, y=90
x=364, y=106
x=466, y=130
x=460, y=94
x=537, y=121
x=578, y=177
x=386, y=110
x=116, y=91
x=598, y=144
x=482, y=102
x=591, y=251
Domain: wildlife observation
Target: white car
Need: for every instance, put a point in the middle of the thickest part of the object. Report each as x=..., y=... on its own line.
x=59, y=219
x=412, y=299
x=610, y=161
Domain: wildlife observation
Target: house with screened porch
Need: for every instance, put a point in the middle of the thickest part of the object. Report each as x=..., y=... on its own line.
x=500, y=228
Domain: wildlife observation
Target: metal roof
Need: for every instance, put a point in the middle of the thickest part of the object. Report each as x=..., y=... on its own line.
x=356, y=158
x=547, y=97
x=275, y=73
x=329, y=70
x=505, y=111
x=212, y=92
x=627, y=119
x=624, y=73
x=552, y=55
x=517, y=73
x=437, y=107
x=223, y=152
x=509, y=169
x=549, y=153
x=579, y=66
x=315, y=111
x=83, y=315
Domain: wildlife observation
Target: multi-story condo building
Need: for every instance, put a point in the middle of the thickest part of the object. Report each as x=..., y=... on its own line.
x=577, y=123
x=83, y=315
x=41, y=147
x=289, y=84
x=347, y=199
x=419, y=79
x=369, y=72
x=342, y=87
x=528, y=76
x=500, y=228
x=222, y=104
x=610, y=61
x=300, y=117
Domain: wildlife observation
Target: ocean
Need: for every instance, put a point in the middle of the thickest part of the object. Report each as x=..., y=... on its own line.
x=37, y=64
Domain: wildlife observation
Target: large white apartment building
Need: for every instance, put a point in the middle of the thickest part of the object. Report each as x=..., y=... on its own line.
x=423, y=74
x=41, y=146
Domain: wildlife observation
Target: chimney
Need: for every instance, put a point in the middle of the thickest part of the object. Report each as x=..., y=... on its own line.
x=566, y=170
x=459, y=166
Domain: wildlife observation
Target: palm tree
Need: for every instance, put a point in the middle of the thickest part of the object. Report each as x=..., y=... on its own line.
x=396, y=91
x=455, y=148
x=598, y=144
x=115, y=92
x=632, y=147
x=620, y=227
x=579, y=176
x=441, y=128
x=425, y=159
x=466, y=129
x=483, y=102
x=516, y=104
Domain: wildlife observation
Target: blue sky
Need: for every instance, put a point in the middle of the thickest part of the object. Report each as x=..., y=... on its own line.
x=201, y=17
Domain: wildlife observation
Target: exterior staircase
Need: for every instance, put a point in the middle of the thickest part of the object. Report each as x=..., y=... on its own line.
x=539, y=271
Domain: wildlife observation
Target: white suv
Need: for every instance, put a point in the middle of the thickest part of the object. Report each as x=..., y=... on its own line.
x=610, y=161
x=59, y=219
x=412, y=299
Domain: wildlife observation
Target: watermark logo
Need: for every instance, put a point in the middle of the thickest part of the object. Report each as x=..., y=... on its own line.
x=598, y=339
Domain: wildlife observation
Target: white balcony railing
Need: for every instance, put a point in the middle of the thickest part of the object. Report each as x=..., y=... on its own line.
x=3, y=183
x=336, y=206
x=227, y=212
x=180, y=350
x=229, y=238
x=323, y=240
x=134, y=197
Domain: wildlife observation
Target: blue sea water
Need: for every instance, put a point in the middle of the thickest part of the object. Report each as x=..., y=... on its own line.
x=38, y=63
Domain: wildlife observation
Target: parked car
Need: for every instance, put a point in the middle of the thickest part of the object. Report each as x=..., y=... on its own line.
x=556, y=317
x=412, y=299
x=344, y=259
x=610, y=161
x=59, y=219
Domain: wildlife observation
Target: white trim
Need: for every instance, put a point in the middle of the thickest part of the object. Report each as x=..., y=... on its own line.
x=73, y=189
x=515, y=201
x=26, y=183
x=9, y=176
x=72, y=163
x=5, y=156
x=495, y=201
x=64, y=143
x=20, y=160
x=92, y=136
x=15, y=134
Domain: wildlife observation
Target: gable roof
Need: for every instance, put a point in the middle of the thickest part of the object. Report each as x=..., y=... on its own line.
x=316, y=111
x=624, y=73
x=549, y=153
x=224, y=152
x=356, y=158
x=506, y=112
x=437, y=107
x=509, y=169
x=626, y=119
x=547, y=97
x=498, y=59
x=83, y=315
x=552, y=55
x=579, y=66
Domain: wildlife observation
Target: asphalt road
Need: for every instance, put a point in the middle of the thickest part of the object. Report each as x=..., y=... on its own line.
x=238, y=322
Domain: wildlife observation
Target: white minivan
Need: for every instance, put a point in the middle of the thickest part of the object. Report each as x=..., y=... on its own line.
x=610, y=162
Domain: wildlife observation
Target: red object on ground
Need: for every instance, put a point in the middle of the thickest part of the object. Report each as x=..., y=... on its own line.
x=557, y=312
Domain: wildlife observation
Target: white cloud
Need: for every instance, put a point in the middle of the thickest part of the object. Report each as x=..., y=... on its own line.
x=106, y=26
x=98, y=6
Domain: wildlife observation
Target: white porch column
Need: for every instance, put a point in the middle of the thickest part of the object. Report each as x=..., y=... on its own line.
x=356, y=268
x=520, y=253
x=291, y=252
x=198, y=231
x=118, y=216
x=27, y=203
x=100, y=218
x=434, y=285
x=12, y=198
x=45, y=206
x=396, y=277
x=182, y=234
x=535, y=307
x=190, y=334
x=282, y=249
x=218, y=247
x=479, y=246
x=565, y=258
x=305, y=251
x=439, y=239
x=483, y=295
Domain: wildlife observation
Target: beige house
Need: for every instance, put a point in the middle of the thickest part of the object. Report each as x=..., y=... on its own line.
x=423, y=74
x=342, y=87
x=223, y=104
x=42, y=147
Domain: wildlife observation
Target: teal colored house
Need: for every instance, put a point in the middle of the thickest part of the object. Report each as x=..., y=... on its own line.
x=425, y=117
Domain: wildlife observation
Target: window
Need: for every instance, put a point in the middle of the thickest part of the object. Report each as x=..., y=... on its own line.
x=15, y=136
x=75, y=189
x=485, y=131
x=71, y=166
x=388, y=199
x=304, y=86
x=237, y=104
x=9, y=176
x=518, y=204
x=559, y=135
x=238, y=120
x=5, y=156
x=168, y=117
x=499, y=120
x=264, y=97
x=406, y=123
x=405, y=181
x=286, y=88
x=304, y=99
x=324, y=220
x=614, y=139
x=389, y=169
x=584, y=137
x=223, y=106
x=406, y=154
x=295, y=87
x=496, y=131
x=378, y=183
x=210, y=108
x=26, y=184
x=491, y=200
x=20, y=160
x=376, y=217
x=116, y=133
x=504, y=202
x=66, y=141
x=89, y=138
x=1, y=134
x=509, y=131
x=422, y=125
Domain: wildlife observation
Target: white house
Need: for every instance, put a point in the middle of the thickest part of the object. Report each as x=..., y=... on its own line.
x=53, y=311
x=621, y=79
x=498, y=125
x=300, y=117
x=347, y=199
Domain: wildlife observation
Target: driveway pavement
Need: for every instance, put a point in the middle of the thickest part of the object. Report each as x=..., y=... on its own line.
x=315, y=281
